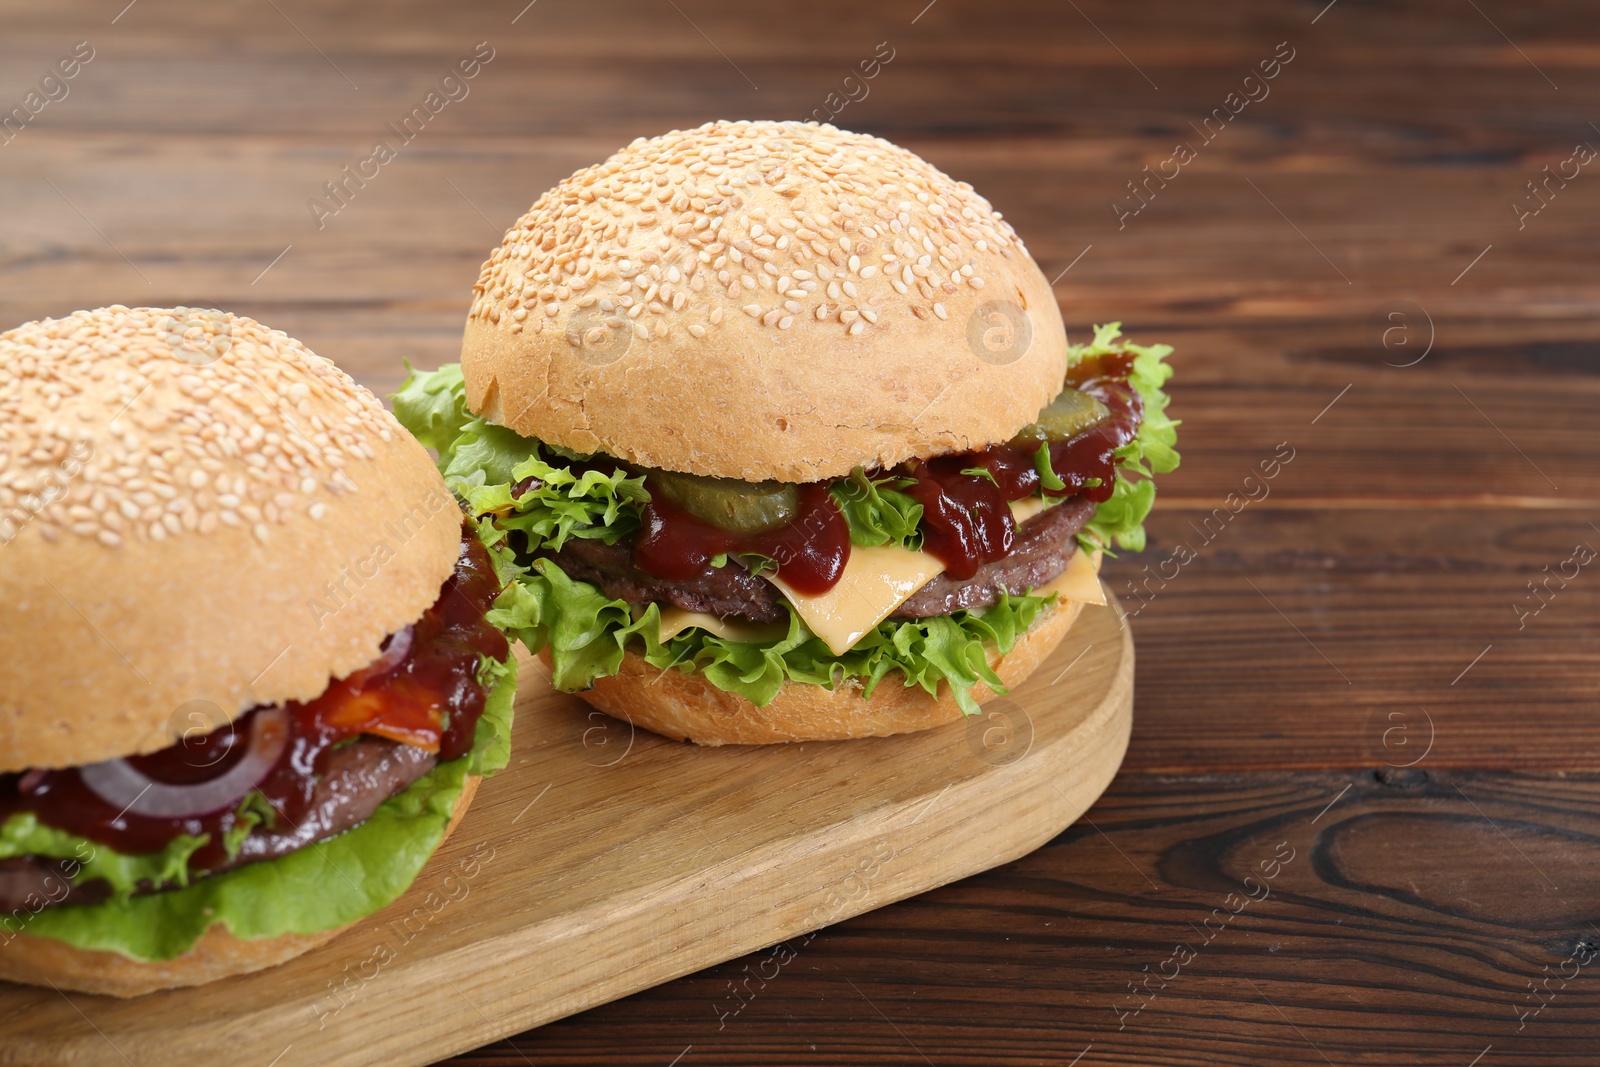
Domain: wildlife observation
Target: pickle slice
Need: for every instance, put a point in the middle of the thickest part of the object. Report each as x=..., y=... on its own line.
x=1065, y=417
x=744, y=507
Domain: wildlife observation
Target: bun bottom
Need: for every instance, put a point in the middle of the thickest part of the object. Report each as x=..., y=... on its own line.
x=686, y=707
x=216, y=955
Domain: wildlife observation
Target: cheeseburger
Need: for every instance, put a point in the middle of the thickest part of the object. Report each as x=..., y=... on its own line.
x=250, y=679
x=784, y=426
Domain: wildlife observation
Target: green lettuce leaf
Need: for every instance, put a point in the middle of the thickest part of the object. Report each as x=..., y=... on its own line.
x=433, y=405
x=1047, y=472
x=560, y=504
x=254, y=810
x=320, y=887
x=586, y=633
x=877, y=512
x=472, y=451
x=24, y=835
x=1120, y=519
x=482, y=462
x=485, y=454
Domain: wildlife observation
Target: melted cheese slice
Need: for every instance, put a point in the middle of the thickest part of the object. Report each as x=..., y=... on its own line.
x=1080, y=581
x=675, y=620
x=1026, y=508
x=875, y=582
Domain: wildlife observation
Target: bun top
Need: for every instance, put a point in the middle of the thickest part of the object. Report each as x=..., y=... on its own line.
x=763, y=300
x=197, y=515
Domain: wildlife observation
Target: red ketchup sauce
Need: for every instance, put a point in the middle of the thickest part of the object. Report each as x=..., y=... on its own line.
x=965, y=518
x=811, y=550
x=431, y=699
x=1092, y=453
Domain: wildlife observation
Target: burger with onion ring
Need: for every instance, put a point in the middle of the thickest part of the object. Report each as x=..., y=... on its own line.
x=784, y=425
x=252, y=676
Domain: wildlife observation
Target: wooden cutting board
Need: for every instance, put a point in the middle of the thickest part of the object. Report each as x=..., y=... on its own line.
x=603, y=861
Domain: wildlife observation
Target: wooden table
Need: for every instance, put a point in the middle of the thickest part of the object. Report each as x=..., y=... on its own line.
x=1345, y=696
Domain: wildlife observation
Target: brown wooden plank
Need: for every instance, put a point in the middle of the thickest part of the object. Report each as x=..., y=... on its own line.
x=1361, y=629
x=1406, y=929
x=1399, y=203
x=1209, y=247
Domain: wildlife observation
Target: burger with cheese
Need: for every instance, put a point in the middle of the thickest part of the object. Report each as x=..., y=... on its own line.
x=783, y=423
x=251, y=675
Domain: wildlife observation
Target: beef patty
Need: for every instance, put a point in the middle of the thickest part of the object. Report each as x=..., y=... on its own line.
x=358, y=777
x=1043, y=546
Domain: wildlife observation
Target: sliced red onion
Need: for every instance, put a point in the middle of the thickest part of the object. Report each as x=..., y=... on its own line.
x=26, y=783
x=388, y=659
x=120, y=783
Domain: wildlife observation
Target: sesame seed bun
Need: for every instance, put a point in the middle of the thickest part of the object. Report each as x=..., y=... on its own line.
x=198, y=515
x=217, y=954
x=686, y=707
x=763, y=300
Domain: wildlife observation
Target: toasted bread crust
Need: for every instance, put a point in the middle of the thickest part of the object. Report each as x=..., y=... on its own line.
x=198, y=535
x=685, y=707
x=763, y=300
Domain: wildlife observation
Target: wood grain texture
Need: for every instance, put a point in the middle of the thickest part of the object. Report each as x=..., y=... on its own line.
x=1303, y=636
x=1404, y=924
x=605, y=860
x=1398, y=543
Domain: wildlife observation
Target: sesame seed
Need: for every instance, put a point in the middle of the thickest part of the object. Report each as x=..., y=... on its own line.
x=181, y=426
x=763, y=206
